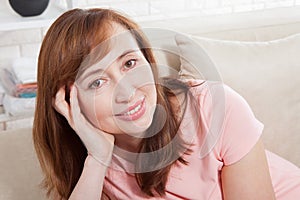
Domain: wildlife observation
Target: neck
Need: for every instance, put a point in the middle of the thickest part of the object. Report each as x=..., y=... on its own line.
x=127, y=142
x=127, y=147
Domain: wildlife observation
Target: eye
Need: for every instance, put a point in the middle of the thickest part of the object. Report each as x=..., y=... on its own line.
x=130, y=63
x=96, y=84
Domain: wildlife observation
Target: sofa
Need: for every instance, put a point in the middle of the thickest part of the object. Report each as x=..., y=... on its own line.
x=260, y=60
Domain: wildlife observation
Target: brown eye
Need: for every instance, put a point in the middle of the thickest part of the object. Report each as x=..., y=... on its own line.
x=130, y=63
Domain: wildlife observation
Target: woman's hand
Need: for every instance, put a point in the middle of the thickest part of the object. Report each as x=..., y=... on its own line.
x=98, y=143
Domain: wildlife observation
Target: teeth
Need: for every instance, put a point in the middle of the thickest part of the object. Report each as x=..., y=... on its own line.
x=134, y=110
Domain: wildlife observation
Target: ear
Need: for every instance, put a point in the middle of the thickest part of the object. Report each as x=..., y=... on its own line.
x=60, y=104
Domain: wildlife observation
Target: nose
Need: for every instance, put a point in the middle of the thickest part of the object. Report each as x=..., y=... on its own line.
x=124, y=91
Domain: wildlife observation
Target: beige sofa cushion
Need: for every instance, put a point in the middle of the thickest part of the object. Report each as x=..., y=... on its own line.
x=20, y=173
x=266, y=74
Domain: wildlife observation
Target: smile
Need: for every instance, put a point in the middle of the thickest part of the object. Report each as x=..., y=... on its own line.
x=133, y=112
x=136, y=109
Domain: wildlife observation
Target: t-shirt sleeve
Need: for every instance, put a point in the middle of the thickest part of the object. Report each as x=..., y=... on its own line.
x=241, y=129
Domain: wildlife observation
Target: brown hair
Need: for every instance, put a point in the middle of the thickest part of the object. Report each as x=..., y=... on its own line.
x=60, y=151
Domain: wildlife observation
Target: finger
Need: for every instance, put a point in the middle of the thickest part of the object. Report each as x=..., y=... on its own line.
x=75, y=109
x=80, y=118
x=60, y=103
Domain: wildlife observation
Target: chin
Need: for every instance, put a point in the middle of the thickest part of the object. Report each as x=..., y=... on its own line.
x=135, y=128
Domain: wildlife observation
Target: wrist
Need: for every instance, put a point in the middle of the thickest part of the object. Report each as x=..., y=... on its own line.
x=93, y=161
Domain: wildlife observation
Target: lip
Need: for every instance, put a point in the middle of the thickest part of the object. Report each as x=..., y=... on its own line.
x=136, y=115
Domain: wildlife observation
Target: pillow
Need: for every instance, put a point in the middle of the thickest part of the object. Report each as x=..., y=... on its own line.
x=266, y=74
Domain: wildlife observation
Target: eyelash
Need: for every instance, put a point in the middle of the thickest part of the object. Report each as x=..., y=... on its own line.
x=130, y=60
x=92, y=85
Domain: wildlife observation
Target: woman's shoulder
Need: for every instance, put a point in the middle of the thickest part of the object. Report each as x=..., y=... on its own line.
x=208, y=92
x=200, y=86
x=205, y=92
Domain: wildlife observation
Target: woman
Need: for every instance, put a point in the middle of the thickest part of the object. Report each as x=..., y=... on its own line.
x=108, y=127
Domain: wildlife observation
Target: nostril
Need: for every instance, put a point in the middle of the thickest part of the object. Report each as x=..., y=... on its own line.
x=125, y=95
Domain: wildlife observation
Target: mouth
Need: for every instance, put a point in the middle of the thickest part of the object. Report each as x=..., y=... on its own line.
x=134, y=112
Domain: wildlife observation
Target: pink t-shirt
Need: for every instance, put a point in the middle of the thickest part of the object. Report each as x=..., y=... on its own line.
x=228, y=130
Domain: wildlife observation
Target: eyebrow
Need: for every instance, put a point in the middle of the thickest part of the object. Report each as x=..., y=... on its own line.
x=125, y=53
x=85, y=74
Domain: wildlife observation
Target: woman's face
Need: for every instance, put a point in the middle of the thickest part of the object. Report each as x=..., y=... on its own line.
x=117, y=94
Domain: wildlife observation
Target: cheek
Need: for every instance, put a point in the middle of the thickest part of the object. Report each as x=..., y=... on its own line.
x=104, y=120
x=87, y=109
x=151, y=91
x=95, y=109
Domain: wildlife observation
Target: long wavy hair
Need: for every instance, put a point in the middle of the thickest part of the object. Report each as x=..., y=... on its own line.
x=60, y=151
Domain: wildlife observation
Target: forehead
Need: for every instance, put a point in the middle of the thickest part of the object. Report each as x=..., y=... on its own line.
x=119, y=41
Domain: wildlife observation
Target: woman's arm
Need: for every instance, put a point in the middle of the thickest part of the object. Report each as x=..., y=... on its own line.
x=248, y=178
x=90, y=183
x=98, y=143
